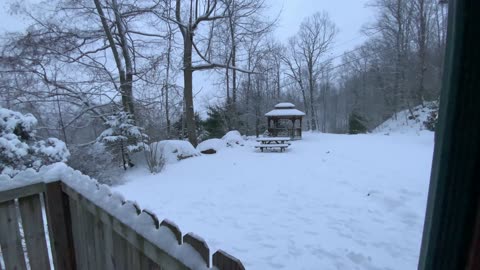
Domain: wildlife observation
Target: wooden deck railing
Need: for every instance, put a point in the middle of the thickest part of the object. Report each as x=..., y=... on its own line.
x=83, y=235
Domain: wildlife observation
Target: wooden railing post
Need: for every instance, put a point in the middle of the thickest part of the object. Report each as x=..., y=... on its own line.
x=60, y=226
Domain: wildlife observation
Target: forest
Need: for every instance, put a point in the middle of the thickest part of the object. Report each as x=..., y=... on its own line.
x=105, y=78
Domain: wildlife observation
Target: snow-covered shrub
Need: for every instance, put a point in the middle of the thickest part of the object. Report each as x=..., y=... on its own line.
x=233, y=138
x=174, y=150
x=432, y=117
x=95, y=161
x=123, y=138
x=19, y=148
x=155, y=159
x=211, y=146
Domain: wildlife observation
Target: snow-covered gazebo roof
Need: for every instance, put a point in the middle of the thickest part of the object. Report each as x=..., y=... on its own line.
x=285, y=109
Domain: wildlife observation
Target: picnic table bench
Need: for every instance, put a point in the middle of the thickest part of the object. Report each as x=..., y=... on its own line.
x=281, y=143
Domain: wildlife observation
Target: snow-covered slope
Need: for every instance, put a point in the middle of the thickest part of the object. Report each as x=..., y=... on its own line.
x=404, y=122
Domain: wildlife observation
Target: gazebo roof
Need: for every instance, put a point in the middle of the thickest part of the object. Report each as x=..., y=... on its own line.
x=285, y=109
x=285, y=105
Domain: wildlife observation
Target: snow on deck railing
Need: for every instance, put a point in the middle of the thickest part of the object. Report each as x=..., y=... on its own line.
x=100, y=221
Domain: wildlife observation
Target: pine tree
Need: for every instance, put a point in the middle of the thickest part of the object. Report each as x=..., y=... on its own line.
x=123, y=137
x=356, y=124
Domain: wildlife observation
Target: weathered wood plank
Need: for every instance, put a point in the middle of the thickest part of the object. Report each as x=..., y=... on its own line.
x=77, y=235
x=199, y=245
x=174, y=229
x=147, y=264
x=99, y=243
x=146, y=247
x=60, y=226
x=120, y=252
x=33, y=227
x=10, y=240
x=133, y=257
x=224, y=261
x=15, y=193
x=108, y=237
x=88, y=237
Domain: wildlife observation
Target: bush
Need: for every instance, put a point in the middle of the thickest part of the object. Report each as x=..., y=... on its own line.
x=95, y=161
x=233, y=138
x=356, y=124
x=174, y=150
x=155, y=159
x=432, y=118
x=19, y=147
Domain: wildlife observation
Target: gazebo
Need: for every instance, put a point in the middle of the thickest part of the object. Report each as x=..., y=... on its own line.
x=282, y=121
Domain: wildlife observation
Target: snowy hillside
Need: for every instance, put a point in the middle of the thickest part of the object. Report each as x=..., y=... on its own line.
x=404, y=122
x=329, y=202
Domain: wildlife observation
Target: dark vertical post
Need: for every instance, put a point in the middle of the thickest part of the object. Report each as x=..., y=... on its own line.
x=293, y=128
x=301, y=129
x=452, y=221
x=60, y=227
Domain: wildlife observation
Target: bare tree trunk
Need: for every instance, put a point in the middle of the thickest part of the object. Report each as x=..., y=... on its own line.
x=247, y=100
x=126, y=77
x=233, y=108
x=311, y=87
x=127, y=85
x=60, y=118
x=188, y=87
x=422, y=40
x=167, y=84
x=228, y=119
x=325, y=96
x=278, y=81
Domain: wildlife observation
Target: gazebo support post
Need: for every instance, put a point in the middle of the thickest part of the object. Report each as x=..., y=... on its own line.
x=293, y=128
x=301, y=128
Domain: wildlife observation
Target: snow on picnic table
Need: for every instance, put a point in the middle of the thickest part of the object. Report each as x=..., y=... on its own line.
x=328, y=202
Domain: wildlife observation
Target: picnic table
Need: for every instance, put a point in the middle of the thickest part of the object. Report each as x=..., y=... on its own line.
x=281, y=143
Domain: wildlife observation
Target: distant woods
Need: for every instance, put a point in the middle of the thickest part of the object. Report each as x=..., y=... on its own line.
x=82, y=65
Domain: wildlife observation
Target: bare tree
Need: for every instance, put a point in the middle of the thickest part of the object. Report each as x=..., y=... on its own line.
x=296, y=71
x=188, y=19
x=123, y=58
x=315, y=37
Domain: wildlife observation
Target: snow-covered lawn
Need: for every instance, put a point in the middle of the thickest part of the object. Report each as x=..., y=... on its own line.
x=329, y=202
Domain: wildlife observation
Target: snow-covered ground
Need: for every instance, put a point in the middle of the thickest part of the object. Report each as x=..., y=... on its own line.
x=329, y=202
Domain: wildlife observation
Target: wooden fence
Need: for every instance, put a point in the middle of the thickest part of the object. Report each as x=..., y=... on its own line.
x=82, y=235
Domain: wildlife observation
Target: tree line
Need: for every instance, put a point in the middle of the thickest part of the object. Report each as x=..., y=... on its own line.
x=121, y=72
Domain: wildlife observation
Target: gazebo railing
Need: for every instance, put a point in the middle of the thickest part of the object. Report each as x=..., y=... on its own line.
x=294, y=133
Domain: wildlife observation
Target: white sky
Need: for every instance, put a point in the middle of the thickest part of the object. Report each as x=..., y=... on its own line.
x=348, y=15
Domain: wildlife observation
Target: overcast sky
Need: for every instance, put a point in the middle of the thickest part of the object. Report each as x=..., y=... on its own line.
x=348, y=15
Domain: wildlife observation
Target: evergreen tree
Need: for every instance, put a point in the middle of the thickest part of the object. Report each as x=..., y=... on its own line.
x=180, y=128
x=123, y=138
x=215, y=125
x=356, y=124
